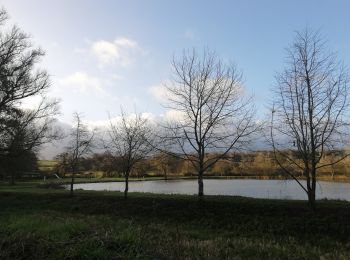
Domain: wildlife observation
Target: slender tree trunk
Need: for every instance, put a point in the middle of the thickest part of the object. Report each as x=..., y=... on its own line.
x=312, y=198
x=200, y=184
x=126, y=185
x=200, y=172
x=165, y=174
x=332, y=170
x=72, y=184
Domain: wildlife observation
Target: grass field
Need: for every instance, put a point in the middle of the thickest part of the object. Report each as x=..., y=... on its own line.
x=46, y=165
x=47, y=224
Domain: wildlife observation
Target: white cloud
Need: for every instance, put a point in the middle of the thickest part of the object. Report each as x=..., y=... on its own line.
x=54, y=44
x=121, y=51
x=103, y=124
x=125, y=42
x=173, y=115
x=31, y=102
x=117, y=77
x=159, y=92
x=84, y=82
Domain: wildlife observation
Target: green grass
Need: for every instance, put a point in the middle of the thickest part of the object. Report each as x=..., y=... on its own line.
x=47, y=224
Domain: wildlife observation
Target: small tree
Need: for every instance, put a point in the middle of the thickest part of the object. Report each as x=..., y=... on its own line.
x=214, y=116
x=309, y=116
x=80, y=144
x=62, y=167
x=164, y=163
x=130, y=142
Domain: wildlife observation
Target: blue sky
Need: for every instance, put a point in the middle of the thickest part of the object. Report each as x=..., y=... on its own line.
x=107, y=54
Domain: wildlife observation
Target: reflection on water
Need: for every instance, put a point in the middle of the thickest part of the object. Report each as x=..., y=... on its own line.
x=276, y=189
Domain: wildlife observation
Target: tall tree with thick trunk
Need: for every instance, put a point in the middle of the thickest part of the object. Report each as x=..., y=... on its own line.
x=309, y=116
x=213, y=116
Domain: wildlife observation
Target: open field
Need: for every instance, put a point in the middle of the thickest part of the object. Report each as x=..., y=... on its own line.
x=47, y=165
x=47, y=224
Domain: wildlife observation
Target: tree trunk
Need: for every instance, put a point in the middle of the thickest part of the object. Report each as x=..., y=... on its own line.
x=311, y=198
x=71, y=185
x=311, y=188
x=200, y=185
x=165, y=174
x=126, y=186
x=332, y=171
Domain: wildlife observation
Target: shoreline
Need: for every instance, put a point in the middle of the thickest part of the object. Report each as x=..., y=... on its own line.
x=66, y=181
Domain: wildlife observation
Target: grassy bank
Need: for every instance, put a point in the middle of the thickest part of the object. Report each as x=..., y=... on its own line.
x=47, y=224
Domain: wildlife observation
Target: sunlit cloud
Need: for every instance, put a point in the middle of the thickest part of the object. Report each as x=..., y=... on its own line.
x=31, y=102
x=116, y=120
x=159, y=92
x=122, y=51
x=173, y=115
x=84, y=82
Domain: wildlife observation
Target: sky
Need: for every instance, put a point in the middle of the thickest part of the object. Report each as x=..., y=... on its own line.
x=102, y=55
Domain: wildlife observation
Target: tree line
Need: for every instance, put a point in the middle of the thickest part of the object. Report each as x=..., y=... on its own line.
x=256, y=164
x=215, y=118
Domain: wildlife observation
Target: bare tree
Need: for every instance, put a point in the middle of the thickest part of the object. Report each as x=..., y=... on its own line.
x=310, y=109
x=22, y=131
x=80, y=144
x=163, y=161
x=214, y=116
x=130, y=143
x=19, y=77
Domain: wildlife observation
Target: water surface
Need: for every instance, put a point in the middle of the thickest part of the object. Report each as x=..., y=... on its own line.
x=273, y=189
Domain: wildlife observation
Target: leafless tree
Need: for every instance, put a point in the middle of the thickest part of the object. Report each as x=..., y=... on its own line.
x=81, y=142
x=163, y=162
x=22, y=131
x=213, y=114
x=19, y=77
x=130, y=142
x=309, y=116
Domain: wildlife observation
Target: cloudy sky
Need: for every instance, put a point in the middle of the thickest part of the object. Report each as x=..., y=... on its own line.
x=107, y=54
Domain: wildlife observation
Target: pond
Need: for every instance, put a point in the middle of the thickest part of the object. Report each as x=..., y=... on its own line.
x=272, y=189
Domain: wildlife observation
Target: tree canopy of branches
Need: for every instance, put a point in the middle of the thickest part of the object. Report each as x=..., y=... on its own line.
x=22, y=131
x=214, y=115
x=310, y=109
x=130, y=142
x=80, y=144
x=19, y=77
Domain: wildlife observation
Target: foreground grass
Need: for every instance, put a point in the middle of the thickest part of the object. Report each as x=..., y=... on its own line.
x=47, y=224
